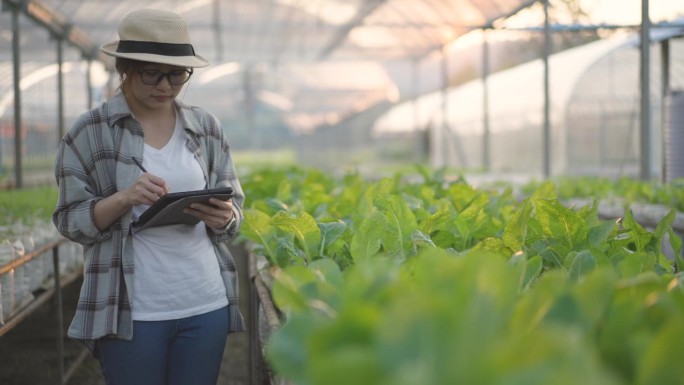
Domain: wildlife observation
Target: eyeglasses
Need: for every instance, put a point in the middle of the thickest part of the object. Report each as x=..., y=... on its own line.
x=175, y=77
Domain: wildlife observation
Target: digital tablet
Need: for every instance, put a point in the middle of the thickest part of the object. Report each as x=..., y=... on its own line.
x=168, y=210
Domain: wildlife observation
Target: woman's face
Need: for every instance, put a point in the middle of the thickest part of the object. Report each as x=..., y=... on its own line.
x=154, y=86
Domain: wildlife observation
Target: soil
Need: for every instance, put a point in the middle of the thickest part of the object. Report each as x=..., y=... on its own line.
x=29, y=352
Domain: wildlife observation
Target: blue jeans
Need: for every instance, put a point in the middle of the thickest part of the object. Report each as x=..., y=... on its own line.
x=186, y=351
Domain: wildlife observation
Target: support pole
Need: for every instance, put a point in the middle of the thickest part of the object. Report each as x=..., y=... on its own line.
x=89, y=83
x=438, y=130
x=664, y=92
x=645, y=84
x=60, y=316
x=665, y=67
x=546, y=135
x=421, y=146
x=255, y=353
x=18, y=145
x=486, y=157
x=60, y=89
x=216, y=26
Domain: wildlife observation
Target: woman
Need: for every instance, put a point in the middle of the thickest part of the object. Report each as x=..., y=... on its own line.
x=156, y=305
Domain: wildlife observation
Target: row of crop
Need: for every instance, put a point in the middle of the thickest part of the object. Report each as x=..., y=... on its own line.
x=24, y=227
x=623, y=189
x=388, y=282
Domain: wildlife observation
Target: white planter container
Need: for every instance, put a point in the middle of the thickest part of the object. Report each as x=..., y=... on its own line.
x=18, y=286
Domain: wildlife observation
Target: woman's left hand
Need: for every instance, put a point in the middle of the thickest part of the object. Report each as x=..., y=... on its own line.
x=216, y=215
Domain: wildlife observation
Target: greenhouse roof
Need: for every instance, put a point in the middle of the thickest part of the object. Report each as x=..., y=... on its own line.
x=505, y=88
x=278, y=31
x=312, y=61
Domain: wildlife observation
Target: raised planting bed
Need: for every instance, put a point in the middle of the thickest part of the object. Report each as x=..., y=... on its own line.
x=437, y=283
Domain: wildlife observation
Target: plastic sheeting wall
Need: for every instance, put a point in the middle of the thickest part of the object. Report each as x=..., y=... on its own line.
x=594, y=113
x=674, y=136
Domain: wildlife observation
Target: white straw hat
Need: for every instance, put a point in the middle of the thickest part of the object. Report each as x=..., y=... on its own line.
x=155, y=36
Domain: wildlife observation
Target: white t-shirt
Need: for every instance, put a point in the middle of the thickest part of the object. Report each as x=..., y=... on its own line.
x=177, y=273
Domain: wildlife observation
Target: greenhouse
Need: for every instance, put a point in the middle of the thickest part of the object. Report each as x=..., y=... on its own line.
x=405, y=192
x=594, y=107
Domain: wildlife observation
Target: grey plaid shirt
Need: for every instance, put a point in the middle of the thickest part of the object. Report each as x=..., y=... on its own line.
x=95, y=161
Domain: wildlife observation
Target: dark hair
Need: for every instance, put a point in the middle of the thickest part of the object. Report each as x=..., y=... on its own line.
x=126, y=68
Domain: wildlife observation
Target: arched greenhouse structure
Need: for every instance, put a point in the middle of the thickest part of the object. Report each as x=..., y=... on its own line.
x=594, y=112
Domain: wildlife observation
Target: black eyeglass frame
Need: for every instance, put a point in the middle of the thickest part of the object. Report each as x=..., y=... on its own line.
x=161, y=75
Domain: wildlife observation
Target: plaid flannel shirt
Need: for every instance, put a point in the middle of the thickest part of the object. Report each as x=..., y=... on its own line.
x=95, y=160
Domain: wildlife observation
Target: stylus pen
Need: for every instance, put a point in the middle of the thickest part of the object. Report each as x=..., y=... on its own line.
x=139, y=164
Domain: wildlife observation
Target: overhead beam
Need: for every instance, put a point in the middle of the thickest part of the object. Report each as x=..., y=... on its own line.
x=510, y=13
x=56, y=24
x=593, y=27
x=368, y=7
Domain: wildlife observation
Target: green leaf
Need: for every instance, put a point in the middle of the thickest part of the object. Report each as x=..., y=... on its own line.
x=601, y=233
x=472, y=222
x=663, y=228
x=533, y=305
x=304, y=228
x=379, y=189
x=287, y=253
x=559, y=222
x=593, y=295
x=635, y=263
x=462, y=195
x=315, y=197
x=443, y=212
x=327, y=271
x=400, y=224
x=285, y=351
x=550, y=251
x=284, y=192
x=421, y=239
x=344, y=365
x=367, y=240
x=342, y=352
x=639, y=236
x=256, y=226
x=275, y=205
x=294, y=287
x=494, y=245
x=676, y=244
x=312, y=289
x=515, y=232
x=547, y=190
x=664, y=354
x=330, y=232
x=583, y=263
x=564, y=310
x=533, y=269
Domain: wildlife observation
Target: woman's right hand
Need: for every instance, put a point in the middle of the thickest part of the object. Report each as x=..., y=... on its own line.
x=147, y=189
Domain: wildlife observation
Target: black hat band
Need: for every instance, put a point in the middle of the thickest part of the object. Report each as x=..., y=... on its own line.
x=165, y=49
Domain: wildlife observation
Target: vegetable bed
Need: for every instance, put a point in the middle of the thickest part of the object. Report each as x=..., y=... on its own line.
x=437, y=282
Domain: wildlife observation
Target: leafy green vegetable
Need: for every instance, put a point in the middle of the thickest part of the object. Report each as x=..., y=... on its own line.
x=27, y=205
x=393, y=282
